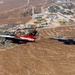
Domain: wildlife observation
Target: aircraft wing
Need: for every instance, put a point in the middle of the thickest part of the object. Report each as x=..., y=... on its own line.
x=58, y=38
x=6, y=36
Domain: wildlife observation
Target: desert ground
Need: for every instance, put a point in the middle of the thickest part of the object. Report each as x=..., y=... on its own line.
x=6, y=5
x=12, y=11
x=43, y=57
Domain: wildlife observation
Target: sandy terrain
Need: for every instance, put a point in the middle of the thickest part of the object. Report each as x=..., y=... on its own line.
x=43, y=57
x=6, y=5
x=11, y=4
x=16, y=10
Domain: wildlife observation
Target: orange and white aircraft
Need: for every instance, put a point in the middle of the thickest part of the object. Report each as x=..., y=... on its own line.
x=20, y=38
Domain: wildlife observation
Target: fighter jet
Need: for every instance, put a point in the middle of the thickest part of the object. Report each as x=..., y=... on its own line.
x=16, y=38
x=65, y=40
